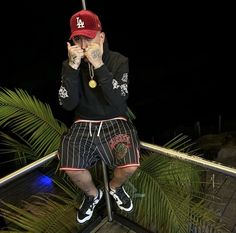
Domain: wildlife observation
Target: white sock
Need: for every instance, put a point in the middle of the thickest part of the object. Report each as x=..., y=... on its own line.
x=112, y=189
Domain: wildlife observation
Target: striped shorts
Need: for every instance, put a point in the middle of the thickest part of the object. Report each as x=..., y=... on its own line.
x=115, y=141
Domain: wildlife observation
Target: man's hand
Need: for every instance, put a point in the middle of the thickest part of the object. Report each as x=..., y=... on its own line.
x=94, y=54
x=75, y=53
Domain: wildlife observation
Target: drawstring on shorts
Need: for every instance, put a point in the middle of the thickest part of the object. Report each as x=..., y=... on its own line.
x=100, y=124
x=90, y=129
x=99, y=129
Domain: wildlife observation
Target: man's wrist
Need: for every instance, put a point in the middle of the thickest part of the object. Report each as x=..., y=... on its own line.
x=73, y=65
x=98, y=65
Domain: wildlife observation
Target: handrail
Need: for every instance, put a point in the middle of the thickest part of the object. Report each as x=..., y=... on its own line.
x=212, y=165
x=27, y=168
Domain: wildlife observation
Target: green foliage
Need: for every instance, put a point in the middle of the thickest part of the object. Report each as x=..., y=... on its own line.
x=34, y=130
x=44, y=213
x=169, y=198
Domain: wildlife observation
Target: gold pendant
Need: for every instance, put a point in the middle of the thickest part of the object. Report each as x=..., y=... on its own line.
x=92, y=83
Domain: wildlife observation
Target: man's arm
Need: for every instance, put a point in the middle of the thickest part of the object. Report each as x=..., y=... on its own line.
x=114, y=85
x=68, y=93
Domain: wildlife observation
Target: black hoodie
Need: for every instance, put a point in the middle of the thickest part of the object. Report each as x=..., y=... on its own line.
x=108, y=99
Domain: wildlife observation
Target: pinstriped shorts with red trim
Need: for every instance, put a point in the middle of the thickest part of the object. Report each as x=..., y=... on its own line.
x=115, y=141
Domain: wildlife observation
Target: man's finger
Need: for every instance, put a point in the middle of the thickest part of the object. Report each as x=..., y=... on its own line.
x=68, y=44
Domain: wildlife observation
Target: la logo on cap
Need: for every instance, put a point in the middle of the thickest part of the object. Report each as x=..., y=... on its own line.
x=79, y=23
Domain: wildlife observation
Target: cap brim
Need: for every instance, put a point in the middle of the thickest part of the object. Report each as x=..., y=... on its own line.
x=88, y=33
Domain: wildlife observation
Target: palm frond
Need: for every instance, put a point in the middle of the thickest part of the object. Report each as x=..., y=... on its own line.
x=182, y=143
x=130, y=114
x=170, y=199
x=67, y=186
x=44, y=213
x=33, y=120
x=18, y=148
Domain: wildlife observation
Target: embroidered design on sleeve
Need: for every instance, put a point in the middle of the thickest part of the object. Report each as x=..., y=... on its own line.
x=125, y=77
x=123, y=87
x=63, y=92
x=115, y=84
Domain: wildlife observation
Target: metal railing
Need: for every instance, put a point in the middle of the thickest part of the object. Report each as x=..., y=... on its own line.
x=212, y=165
x=24, y=170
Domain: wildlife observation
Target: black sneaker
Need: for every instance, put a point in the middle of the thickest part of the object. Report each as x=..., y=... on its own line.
x=122, y=199
x=86, y=209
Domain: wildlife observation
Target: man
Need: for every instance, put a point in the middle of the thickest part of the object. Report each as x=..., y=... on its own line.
x=95, y=86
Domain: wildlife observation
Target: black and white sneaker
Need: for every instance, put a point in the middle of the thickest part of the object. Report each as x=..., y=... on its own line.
x=122, y=199
x=86, y=209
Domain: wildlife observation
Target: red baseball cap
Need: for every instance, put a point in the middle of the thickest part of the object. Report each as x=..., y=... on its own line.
x=84, y=23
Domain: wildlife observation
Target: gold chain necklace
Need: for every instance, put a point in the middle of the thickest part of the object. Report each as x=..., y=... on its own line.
x=92, y=82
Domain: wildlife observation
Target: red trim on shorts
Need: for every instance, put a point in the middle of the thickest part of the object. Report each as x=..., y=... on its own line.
x=71, y=169
x=129, y=165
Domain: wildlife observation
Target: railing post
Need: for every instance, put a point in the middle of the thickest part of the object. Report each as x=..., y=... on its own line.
x=107, y=195
x=84, y=4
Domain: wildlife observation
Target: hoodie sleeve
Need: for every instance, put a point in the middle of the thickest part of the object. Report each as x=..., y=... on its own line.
x=68, y=93
x=114, y=85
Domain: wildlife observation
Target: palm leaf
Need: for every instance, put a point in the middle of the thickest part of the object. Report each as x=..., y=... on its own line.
x=33, y=120
x=130, y=114
x=19, y=150
x=171, y=198
x=44, y=213
x=67, y=186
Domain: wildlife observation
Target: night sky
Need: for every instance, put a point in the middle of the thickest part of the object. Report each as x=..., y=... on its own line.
x=181, y=57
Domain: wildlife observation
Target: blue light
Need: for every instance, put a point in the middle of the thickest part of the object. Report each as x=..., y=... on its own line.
x=44, y=180
x=42, y=183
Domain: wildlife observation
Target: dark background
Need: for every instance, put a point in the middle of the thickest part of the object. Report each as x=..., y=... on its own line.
x=181, y=58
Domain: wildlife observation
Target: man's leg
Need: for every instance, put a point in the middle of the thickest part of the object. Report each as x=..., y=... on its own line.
x=121, y=175
x=83, y=180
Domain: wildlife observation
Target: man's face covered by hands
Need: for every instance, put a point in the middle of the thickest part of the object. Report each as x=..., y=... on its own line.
x=91, y=50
